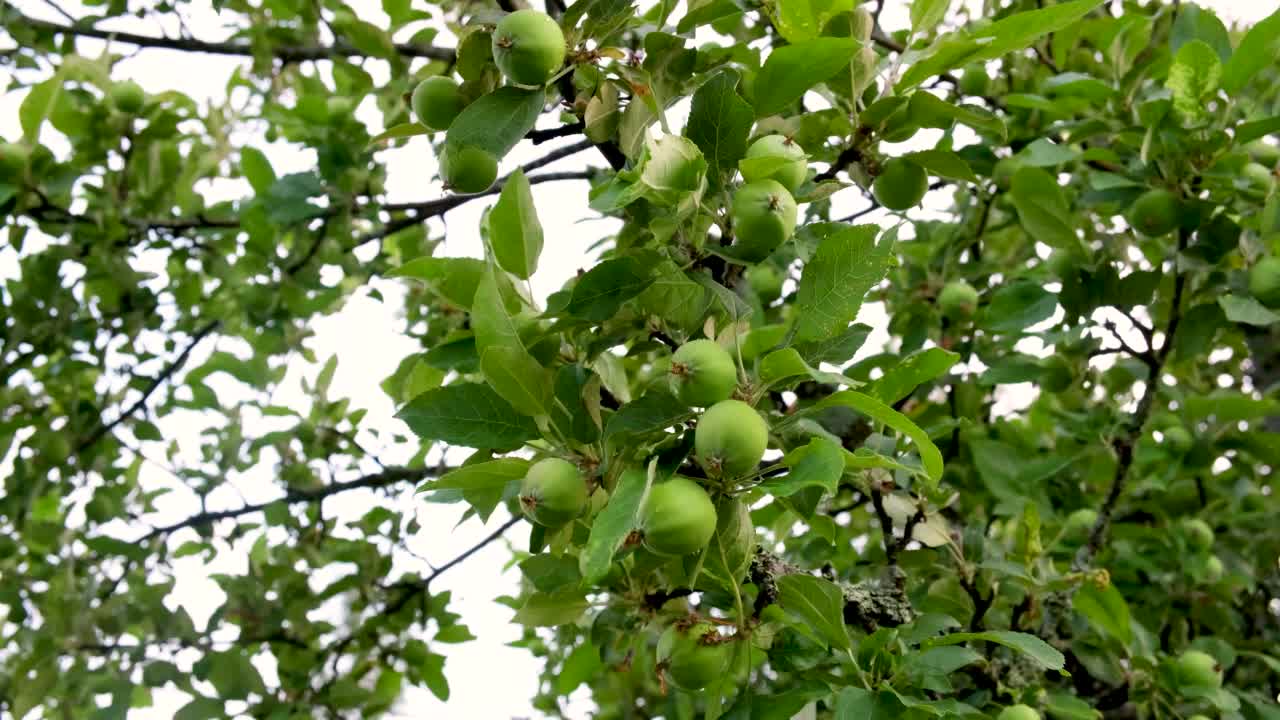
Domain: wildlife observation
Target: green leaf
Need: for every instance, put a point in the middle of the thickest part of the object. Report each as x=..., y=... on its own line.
x=943, y=163
x=1227, y=406
x=37, y=106
x=1044, y=153
x=611, y=526
x=1246, y=310
x=397, y=132
x=834, y=282
x=489, y=475
x=518, y=378
x=793, y=69
x=233, y=675
x=1247, y=132
x=497, y=121
x=652, y=412
x=926, y=14
x=719, y=123
x=930, y=457
x=855, y=703
x=939, y=113
x=467, y=414
x=1197, y=23
x=492, y=323
x=549, y=573
x=817, y=464
x=453, y=279
x=200, y=708
x=1014, y=32
x=1064, y=706
x=1030, y=645
x=552, y=609
x=583, y=664
x=838, y=348
x=917, y=368
x=1017, y=306
x=1105, y=608
x=514, y=230
x=1193, y=78
x=601, y=291
x=800, y=20
x=819, y=603
x=673, y=170
x=1042, y=208
x=433, y=676
x=256, y=168
x=1257, y=50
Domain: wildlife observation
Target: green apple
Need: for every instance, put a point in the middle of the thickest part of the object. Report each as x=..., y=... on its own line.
x=528, y=47
x=1198, y=670
x=731, y=438
x=764, y=216
x=900, y=185
x=468, y=169
x=677, y=517
x=692, y=656
x=437, y=101
x=553, y=492
x=1155, y=212
x=1264, y=281
x=958, y=300
x=791, y=165
x=703, y=373
x=128, y=96
x=1198, y=534
x=1018, y=712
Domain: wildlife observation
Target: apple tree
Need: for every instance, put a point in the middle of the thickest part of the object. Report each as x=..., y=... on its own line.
x=928, y=367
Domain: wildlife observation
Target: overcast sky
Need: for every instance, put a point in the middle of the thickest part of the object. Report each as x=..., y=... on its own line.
x=365, y=337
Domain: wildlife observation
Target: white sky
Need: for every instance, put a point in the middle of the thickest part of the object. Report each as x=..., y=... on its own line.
x=365, y=338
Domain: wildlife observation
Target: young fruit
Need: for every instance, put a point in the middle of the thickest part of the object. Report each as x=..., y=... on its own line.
x=128, y=96
x=1198, y=534
x=1264, y=281
x=958, y=300
x=1004, y=170
x=1198, y=670
x=731, y=438
x=1258, y=175
x=1057, y=374
x=766, y=282
x=703, y=373
x=1063, y=264
x=1155, y=212
x=975, y=80
x=1207, y=568
x=1177, y=440
x=1018, y=712
x=791, y=167
x=13, y=158
x=764, y=217
x=553, y=492
x=1079, y=523
x=528, y=47
x=1264, y=152
x=468, y=169
x=677, y=518
x=693, y=656
x=437, y=101
x=475, y=53
x=900, y=184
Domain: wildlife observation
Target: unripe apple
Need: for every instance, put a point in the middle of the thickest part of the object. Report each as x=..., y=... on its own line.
x=128, y=96
x=766, y=282
x=1056, y=373
x=1264, y=152
x=528, y=47
x=693, y=657
x=677, y=517
x=437, y=101
x=338, y=106
x=1177, y=440
x=475, y=53
x=1080, y=523
x=13, y=159
x=1063, y=264
x=1264, y=281
x=1258, y=175
x=1207, y=568
x=958, y=300
x=703, y=373
x=863, y=23
x=731, y=438
x=764, y=217
x=1199, y=670
x=1198, y=534
x=793, y=163
x=553, y=492
x=468, y=169
x=1155, y=212
x=899, y=126
x=1018, y=712
x=1197, y=717
x=900, y=185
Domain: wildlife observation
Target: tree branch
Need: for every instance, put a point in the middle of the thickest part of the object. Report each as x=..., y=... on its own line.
x=173, y=366
x=417, y=587
x=1124, y=445
x=390, y=476
x=285, y=53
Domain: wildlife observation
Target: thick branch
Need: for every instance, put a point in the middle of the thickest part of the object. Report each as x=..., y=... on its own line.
x=286, y=53
x=176, y=364
x=390, y=476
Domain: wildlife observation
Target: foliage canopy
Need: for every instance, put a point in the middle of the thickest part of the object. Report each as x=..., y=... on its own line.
x=1050, y=492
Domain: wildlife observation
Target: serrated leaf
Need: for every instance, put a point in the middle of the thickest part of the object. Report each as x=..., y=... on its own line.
x=514, y=231
x=1042, y=208
x=1258, y=49
x=518, y=378
x=719, y=123
x=396, y=132
x=800, y=20
x=1029, y=645
x=820, y=463
x=930, y=457
x=453, y=279
x=943, y=163
x=652, y=412
x=793, y=69
x=611, y=526
x=916, y=369
x=1017, y=306
x=1105, y=608
x=819, y=603
x=497, y=121
x=480, y=476
x=467, y=414
x=928, y=106
x=847, y=264
x=926, y=14
x=1246, y=310
x=601, y=291
x=552, y=609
